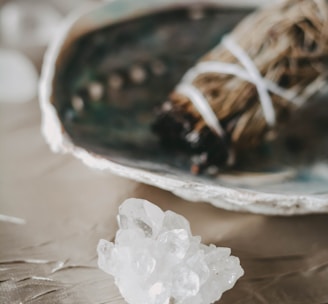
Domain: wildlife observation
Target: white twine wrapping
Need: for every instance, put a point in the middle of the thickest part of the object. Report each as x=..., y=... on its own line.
x=202, y=106
x=248, y=72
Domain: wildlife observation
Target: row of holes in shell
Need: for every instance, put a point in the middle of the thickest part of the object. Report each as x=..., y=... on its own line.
x=115, y=82
x=137, y=74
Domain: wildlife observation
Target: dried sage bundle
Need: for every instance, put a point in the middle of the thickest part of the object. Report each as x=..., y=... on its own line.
x=242, y=93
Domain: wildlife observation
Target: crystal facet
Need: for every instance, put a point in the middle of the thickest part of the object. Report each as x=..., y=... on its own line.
x=156, y=260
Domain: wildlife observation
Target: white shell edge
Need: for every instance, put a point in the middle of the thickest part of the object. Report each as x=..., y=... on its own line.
x=218, y=196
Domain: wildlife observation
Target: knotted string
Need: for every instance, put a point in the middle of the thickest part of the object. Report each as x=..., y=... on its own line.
x=248, y=72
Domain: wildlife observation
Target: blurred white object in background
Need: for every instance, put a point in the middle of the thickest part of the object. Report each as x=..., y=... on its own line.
x=28, y=23
x=26, y=28
x=69, y=5
x=18, y=77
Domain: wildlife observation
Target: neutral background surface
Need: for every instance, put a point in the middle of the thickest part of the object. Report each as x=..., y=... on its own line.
x=69, y=207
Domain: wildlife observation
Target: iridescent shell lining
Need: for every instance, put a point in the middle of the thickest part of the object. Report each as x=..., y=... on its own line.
x=116, y=136
x=113, y=79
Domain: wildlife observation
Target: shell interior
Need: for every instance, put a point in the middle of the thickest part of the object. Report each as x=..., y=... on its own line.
x=111, y=81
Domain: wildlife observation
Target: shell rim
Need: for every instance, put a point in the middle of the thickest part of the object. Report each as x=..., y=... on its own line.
x=217, y=195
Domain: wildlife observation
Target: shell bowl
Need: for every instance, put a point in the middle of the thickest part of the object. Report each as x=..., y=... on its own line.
x=113, y=63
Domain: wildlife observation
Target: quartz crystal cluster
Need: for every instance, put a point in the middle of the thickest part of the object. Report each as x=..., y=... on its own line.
x=156, y=260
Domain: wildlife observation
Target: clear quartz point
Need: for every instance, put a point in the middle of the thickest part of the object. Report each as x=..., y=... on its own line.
x=156, y=260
